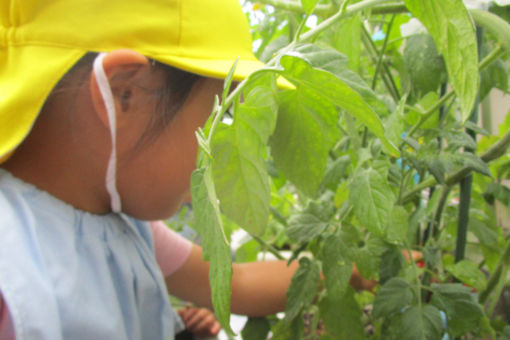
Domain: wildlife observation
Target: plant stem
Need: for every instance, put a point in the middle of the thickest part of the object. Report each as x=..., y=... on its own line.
x=499, y=273
x=268, y=247
x=386, y=75
x=328, y=10
x=341, y=14
x=497, y=150
x=381, y=52
x=439, y=211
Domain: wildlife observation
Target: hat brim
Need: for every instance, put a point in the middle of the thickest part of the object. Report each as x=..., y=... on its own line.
x=18, y=116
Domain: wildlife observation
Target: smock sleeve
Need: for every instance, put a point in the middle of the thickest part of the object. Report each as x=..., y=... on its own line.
x=172, y=250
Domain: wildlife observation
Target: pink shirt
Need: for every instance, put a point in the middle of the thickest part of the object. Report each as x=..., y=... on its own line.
x=172, y=250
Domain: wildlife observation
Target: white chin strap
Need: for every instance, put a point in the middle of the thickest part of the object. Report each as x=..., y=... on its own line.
x=111, y=171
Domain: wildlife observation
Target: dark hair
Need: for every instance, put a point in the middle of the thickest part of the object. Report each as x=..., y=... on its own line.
x=170, y=97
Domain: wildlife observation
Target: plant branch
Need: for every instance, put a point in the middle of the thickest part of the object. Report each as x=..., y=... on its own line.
x=497, y=150
x=386, y=75
x=268, y=247
x=328, y=10
x=381, y=53
x=499, y=272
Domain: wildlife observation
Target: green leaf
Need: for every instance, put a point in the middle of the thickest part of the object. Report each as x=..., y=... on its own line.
x=391, y=263
x=372, y=199
x=418, y=324
x=459, y=303
x=327, y=86
x=305, y=132
x=328, y=59
x=335, y=171
x=346, y=38
x=368, y=257
x=425, y=66
x=207, y=221
x=256, y=329
x=474, y=162
x=451, y=26
x=394, y=295
x=309, y=5
x=288, y=330
x=494, y=24
x=343, y=316
x=239, y=168
x=394, y=124
x=228, y=81
x=458, y=139
x=398, y=225
x=303, y=288
x=468, y=272
x=311, y=222
x=337, y=267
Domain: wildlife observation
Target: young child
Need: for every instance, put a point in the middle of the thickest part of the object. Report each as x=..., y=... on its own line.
x=93, y=144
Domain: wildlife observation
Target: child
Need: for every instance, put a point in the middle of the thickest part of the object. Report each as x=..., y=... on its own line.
x=95, y=143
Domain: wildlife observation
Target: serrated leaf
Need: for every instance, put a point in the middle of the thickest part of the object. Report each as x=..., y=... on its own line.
x=328, y=59
x=207, y=221
x=467, y=271
x=256, y=329
x=335, y=171
x=288, y=330
x=452, y=28
x=305, y=132
x=303, y=288
x=460, y=305
x=228, y=81
x=418, y=324
x=346, y=39
x=398, y=225
x=308, y=224
x=368, y=257
x=479, y=130
x=458, y=139
x=391, y=263
x=343, y=316
x=474, y=162
x=337, y=266
x=393, y=297
x=394, y=124
x=372, y=199
x=437, y=168
x=309, y=5
x=239, y=168
x=329, y=87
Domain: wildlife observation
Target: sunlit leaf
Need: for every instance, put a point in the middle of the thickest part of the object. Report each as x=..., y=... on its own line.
x=239, y=168
x=305, y=132
x=327, y=86
x=452, y=28
x=372, y=199
x=207, y=221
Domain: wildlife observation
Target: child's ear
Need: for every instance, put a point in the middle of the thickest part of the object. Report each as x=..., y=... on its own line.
x=121, y=67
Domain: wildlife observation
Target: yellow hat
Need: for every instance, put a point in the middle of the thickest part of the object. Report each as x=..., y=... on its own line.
x=40, y=40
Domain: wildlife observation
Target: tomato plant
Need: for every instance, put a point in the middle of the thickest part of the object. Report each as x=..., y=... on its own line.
x=355, y=144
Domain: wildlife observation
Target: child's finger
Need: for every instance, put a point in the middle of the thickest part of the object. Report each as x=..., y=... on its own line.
x=207, y=326
x=196, y=316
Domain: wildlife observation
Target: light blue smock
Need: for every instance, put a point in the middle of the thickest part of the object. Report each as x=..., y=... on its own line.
x=69, y=274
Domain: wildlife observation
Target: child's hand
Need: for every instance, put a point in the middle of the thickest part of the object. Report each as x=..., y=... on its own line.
x=200, y=321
